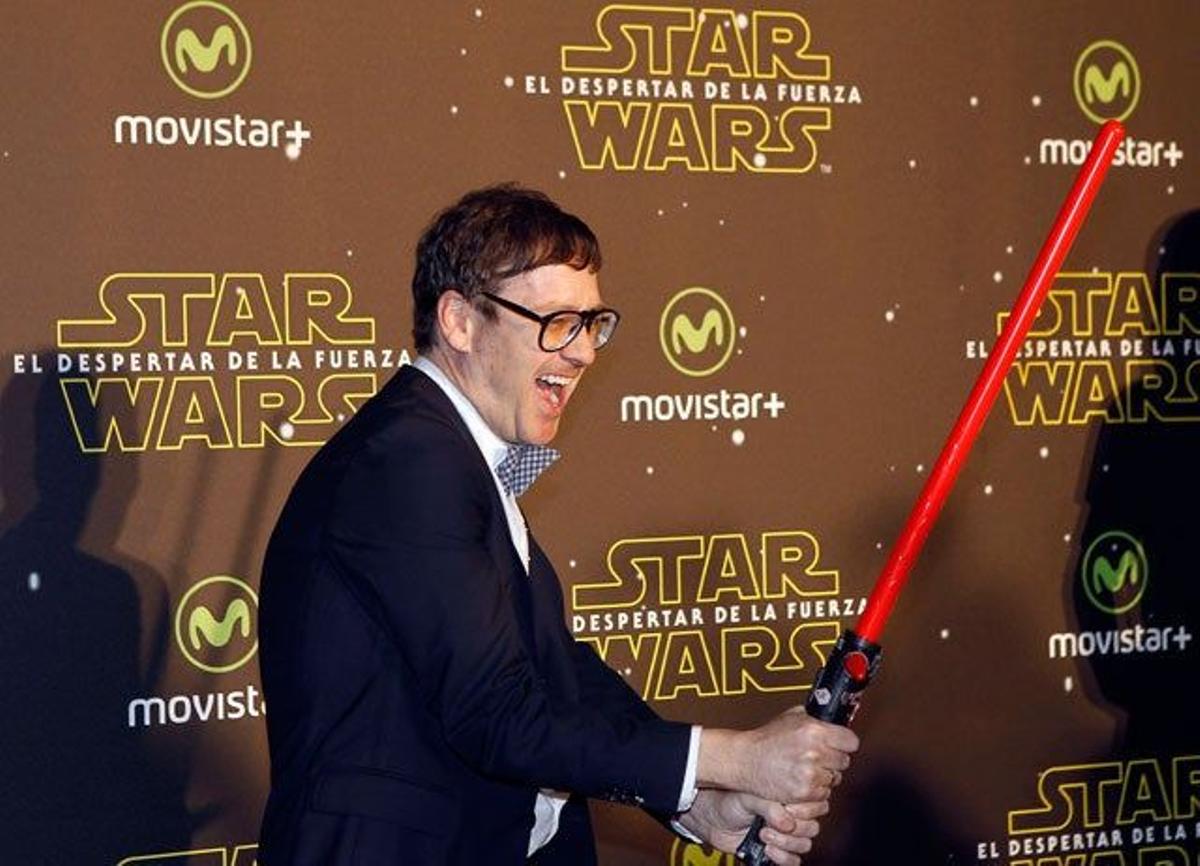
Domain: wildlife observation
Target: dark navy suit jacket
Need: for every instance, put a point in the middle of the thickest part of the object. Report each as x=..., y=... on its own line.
x=420, y=686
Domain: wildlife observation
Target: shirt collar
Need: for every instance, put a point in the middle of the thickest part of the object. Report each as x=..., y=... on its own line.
x=490, y=445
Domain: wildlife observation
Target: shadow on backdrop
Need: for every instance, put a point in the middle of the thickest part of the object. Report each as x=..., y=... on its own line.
x=77, y=784
x=889, y=817
x=1141, y=484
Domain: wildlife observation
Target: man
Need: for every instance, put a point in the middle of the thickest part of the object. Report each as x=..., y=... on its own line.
x=428, y=705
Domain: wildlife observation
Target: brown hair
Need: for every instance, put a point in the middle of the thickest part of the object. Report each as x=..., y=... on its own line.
x=488, y=235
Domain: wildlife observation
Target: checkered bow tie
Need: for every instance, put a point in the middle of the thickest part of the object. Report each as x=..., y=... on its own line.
x=522, y=464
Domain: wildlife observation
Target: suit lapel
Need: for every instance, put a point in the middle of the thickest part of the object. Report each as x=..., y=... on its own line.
x=553, y=641
x=537, y=597
x=500, y=545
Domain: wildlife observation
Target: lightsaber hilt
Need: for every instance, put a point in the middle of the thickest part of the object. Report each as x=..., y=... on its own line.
x=840, y=682
x=834, y=698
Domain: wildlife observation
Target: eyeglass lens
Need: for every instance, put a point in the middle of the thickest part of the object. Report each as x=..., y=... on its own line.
x=562, y=328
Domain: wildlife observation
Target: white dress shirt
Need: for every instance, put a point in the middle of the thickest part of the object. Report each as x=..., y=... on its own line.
x=549, y=803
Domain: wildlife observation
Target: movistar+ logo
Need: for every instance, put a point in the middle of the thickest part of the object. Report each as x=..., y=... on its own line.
x=1114, y=572
x=206, y=49
x=1107, y=81
x=214, y=624
x=697, y=332
x=218, y=632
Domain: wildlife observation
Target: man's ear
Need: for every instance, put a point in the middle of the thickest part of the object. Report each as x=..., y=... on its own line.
x=456, y=320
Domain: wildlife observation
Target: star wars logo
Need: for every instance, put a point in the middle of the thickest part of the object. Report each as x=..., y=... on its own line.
x=238, y=855
x=712, y=90
x=1113, y=347
x=714, y=615
x=176, y=360
x=1116, y=813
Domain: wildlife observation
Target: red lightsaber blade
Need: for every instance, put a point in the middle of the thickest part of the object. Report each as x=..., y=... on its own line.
x=954, y=453
x=855, y=657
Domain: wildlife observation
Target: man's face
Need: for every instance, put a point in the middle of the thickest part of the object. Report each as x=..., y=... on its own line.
x=520, y=390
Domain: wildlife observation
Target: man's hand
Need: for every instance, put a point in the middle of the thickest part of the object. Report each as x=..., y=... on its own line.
x=722, y=818
x=793, y=758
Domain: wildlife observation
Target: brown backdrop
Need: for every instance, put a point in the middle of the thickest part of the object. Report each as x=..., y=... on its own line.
x=812, y=216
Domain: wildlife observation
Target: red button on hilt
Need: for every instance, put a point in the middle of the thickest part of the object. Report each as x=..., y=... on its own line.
x=857, y=665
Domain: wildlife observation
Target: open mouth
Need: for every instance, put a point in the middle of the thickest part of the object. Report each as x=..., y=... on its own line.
x=554, y=388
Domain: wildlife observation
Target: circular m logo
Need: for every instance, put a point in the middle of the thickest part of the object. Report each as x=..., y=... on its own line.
x=206, y=49
x=1107, y=81
x=1115, y=572
x=697, y=332
x=216, y=624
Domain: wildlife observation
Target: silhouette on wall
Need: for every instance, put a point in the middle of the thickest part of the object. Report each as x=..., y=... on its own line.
x=1140, y=484
x=77, y=784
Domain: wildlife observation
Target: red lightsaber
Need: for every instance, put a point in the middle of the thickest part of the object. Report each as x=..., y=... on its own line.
x=855, y=657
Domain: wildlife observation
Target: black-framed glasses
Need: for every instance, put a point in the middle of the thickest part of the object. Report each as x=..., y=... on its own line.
x=562, y=326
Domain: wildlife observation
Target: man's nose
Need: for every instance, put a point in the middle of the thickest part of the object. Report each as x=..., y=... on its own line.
x=582, y=350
